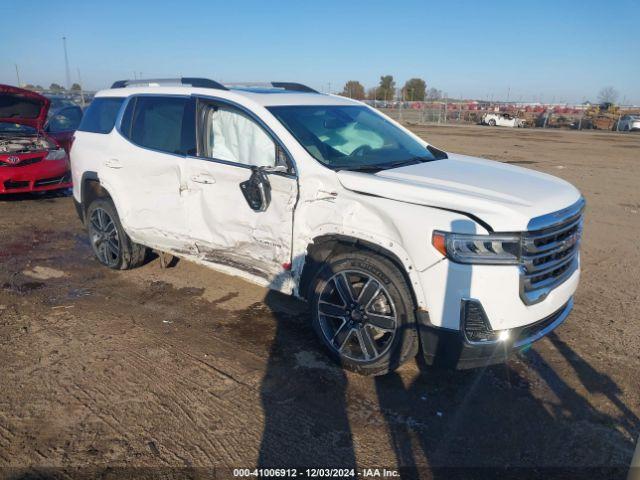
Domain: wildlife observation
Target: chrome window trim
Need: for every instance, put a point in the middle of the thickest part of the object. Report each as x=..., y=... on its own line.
x=124, y=106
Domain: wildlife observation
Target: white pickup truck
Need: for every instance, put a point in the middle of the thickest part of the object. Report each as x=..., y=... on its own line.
x=390, y=240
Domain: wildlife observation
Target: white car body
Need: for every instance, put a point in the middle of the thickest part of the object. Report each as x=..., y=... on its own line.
x=502, y=120
x=194, y=209
x=628, y=123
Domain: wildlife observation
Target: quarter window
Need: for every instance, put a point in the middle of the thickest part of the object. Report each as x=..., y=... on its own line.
x=101, y=115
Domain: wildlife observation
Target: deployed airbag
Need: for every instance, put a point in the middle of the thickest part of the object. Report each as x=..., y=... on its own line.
x=233, y=136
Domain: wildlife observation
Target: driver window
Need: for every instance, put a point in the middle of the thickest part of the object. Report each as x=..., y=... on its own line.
x=229, y=134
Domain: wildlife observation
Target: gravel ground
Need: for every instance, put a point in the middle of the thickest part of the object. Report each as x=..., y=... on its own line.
x=186, y=367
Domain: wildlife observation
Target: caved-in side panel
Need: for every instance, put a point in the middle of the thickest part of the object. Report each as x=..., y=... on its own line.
x=225, y=228
x=146, y=187
x=399, y=228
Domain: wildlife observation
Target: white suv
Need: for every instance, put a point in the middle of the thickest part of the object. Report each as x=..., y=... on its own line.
x=391, y=241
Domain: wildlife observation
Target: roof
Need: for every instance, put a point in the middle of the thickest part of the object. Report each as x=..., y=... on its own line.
x=293, y=98
x=265, y=96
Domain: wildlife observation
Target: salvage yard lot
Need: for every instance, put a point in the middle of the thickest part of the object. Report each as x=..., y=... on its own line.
x=188, y=367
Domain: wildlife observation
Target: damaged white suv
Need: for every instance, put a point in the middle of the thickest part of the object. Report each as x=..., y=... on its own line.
x=391, y=241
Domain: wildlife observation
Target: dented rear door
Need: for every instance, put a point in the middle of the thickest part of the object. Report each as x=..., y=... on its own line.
x=146, y=168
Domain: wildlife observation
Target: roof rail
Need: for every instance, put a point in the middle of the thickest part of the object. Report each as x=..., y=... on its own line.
x=289, y=86
x=296, y=87
x=192, y=81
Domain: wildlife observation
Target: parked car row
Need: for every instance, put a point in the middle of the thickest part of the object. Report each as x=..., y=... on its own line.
x=35, y=140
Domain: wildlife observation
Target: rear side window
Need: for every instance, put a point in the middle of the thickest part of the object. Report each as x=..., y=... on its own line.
x=101, y=115
x=160, y=123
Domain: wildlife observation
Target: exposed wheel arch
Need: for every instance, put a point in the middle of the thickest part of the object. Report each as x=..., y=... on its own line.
x=91, y=188
x=331, y=244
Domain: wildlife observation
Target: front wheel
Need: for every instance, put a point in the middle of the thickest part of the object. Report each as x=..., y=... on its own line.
x=492, y=123
x=363, y=311
x=111, y=245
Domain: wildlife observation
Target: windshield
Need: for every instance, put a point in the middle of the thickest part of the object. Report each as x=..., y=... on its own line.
x=16, y=128
x=351, y=137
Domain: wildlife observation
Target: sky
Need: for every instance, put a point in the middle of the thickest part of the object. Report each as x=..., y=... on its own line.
x=550, y=51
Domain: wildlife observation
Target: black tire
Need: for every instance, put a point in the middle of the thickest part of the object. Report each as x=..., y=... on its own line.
x=364, y=270
x=492, y=123
x=111, y=245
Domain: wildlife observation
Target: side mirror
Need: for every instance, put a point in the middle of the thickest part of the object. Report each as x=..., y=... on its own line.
x=283, y=164
x=257, y=190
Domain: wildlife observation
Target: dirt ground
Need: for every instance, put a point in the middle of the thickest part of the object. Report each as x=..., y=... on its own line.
x=186, y=367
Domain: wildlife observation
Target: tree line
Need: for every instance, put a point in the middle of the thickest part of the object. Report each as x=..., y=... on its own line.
x=54, y=87
x=414, y=89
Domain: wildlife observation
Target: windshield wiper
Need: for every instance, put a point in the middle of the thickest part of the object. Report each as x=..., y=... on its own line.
x=360, y=168
x=381, y=166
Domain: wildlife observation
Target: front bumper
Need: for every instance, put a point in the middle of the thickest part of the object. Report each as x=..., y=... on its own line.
x=38, y=177
x=449, y=348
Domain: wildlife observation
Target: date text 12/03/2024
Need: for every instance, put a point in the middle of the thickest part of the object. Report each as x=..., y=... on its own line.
x=315, y=473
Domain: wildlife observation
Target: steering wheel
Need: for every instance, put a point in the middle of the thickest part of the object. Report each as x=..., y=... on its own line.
x=361, y=151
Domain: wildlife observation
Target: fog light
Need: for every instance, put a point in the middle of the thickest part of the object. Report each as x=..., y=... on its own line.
x=475, y=324
x=476, y=327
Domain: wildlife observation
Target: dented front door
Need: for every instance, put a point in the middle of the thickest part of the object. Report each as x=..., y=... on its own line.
x=227, y=228
x=227, y=231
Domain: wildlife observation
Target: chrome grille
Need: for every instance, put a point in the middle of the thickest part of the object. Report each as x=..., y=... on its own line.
x=550, y=254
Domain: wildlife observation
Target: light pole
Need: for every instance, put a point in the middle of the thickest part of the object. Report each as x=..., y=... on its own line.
x=81, y=92
x=66, y=62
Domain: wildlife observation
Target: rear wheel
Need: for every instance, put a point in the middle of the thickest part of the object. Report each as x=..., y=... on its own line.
x=111, y=245
x=492, y=123
x=363, y=311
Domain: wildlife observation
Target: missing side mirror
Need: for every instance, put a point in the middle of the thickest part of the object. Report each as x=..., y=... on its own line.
x=257, y=190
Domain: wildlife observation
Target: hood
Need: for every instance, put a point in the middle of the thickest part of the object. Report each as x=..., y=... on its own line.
x=504, y=196
x=23, y=106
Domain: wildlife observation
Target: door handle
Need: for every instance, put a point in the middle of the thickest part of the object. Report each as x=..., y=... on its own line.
x=202, y=178
x=112, y=163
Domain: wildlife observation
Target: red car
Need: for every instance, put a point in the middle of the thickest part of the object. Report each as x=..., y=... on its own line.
x=32, y=154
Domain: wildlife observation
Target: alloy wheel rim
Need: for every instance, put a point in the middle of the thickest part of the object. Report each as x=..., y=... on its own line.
x=104, y=237
x=357, y=316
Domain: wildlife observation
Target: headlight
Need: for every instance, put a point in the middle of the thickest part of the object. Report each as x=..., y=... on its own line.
x=56, y=154
x=487, y=249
